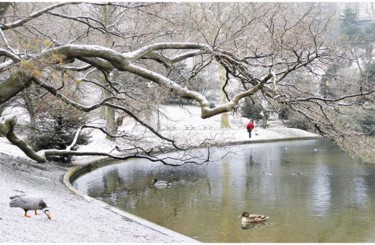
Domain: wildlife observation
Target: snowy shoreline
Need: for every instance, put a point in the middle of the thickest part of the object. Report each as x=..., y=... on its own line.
x=76, y=218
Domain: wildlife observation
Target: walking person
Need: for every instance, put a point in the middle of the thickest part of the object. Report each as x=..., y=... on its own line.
x=250, y=127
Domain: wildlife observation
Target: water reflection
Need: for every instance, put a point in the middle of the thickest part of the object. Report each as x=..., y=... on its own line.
x=331, y=195
x=321, y=191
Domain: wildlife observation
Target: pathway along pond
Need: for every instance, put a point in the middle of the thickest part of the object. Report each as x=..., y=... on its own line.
x=331, y=200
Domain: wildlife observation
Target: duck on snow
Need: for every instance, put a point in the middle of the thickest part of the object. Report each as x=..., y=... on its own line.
x=29, y=202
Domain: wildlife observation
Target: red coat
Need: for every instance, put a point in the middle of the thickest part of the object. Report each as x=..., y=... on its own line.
x=250, y=126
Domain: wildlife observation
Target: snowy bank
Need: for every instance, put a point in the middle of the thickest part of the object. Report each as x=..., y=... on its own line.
x=74, y=219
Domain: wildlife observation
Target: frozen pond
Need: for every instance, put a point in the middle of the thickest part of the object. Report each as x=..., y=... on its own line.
x=312, y=191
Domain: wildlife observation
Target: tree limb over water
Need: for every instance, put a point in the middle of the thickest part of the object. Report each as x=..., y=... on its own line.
x=272, y=53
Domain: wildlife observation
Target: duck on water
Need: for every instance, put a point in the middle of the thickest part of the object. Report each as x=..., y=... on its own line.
x=248, y=219
x=161, y=183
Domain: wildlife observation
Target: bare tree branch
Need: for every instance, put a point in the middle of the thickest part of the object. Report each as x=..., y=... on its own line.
x=34, y=15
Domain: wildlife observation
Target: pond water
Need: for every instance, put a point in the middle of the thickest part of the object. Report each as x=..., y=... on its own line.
x=312, y=191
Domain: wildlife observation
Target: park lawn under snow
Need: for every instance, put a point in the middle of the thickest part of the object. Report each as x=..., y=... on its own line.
x=181, y=123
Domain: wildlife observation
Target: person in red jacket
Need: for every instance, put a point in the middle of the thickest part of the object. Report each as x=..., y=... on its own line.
x=250, y=127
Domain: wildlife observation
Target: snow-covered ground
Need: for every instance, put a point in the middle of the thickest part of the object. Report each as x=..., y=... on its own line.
x=76, y=219
x=185, y=126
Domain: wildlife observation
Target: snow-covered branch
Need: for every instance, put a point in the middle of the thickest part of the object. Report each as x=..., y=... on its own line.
x=34, y=15
x=7, y=129
x=137, y=54
x=10, y=55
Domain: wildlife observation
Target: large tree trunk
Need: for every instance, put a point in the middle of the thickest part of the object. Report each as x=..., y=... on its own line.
x=110, y=115
x=224, y=116
x=16, y=83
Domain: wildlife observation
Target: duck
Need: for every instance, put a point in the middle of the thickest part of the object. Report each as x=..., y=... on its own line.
x=267, y=173
x=161, y=183
x=248, y=219
x=29, y=202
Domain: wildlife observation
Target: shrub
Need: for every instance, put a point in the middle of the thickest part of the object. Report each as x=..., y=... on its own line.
x=367, y=122
x=56, y=127
x=251, y=110
x=284, y=113
x=298, y=121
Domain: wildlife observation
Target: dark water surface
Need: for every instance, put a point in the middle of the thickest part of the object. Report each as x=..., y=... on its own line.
x=332, y=199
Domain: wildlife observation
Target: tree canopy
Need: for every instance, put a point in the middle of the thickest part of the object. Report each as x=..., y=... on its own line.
x=282, y=53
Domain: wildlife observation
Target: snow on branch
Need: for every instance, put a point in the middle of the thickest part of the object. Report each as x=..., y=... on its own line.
x=7, y=129
x=123, y=62
x=34, y=15
x=10, y=55
x=137, y=54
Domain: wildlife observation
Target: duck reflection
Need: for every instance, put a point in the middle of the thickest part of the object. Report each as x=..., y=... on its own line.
x=253, y=226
